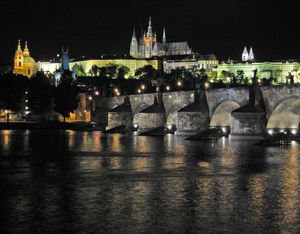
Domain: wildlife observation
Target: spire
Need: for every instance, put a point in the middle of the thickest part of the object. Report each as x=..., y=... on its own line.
x=134, y=45
x=26, y=51
x=251, y=54
x=164, y=39
x=149, y=33
x=245, y=55
x=19, y=46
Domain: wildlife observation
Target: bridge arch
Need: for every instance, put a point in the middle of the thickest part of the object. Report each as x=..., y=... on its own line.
x=141, y=107
x=286, y=115
x=222, y=114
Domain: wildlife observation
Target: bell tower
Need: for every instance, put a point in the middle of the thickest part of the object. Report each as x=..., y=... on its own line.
x=18, y=60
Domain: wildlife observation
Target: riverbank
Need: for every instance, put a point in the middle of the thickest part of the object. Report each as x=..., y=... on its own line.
x=79, y=126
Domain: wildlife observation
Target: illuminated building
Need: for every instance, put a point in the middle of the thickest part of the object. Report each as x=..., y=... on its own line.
x=132, y=64
x=23, y=63
x=192, y=63
x=149, y=46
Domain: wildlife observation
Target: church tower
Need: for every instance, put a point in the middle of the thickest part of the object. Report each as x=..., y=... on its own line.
x=245, y=55
x=251, y=55
x=149, y=41
x=65, y=60
x=18, y=61
x=134, y=46
x=23, y=63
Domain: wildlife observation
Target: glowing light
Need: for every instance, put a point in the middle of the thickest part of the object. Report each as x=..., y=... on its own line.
x=270, y=132
x=135, y=125
x=168, y=88
x=206, y=85
x=179, y=83
x=143, y=87
x=170, y=127
x=139, y=91
x=294, y=131
x=224, y=129
x=90, y=98
x=96, y=93
x=26, y=107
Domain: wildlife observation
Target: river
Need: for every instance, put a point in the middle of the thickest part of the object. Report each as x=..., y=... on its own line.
x=92, y=182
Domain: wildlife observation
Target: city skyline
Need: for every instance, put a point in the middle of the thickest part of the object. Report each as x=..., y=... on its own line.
x=93, y=29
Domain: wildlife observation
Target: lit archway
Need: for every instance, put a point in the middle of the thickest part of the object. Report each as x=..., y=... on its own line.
x=222, y=114
x=286, y=115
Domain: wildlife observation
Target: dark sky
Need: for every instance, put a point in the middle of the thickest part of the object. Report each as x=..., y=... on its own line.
x=91, y=28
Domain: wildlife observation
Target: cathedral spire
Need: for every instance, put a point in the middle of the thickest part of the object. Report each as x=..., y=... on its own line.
x=164, y=39
x=134, y=45
x=149, y=33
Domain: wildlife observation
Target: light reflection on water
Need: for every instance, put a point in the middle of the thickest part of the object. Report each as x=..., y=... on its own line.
x=66, y=181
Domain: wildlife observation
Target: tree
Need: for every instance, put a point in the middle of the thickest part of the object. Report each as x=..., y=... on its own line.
x=12, y=91
x=111, y=70
x=78, y=70
x=39, y=94
x=123, y=71
x=65, y=95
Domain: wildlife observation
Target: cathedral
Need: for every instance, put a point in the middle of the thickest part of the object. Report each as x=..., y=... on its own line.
x=23, y=63
x=148, y=46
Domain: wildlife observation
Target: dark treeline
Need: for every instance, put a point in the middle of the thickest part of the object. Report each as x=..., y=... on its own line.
x=37, y=96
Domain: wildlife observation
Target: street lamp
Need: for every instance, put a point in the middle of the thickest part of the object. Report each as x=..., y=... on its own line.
x=168, y=88
x=179, y=83
x=206, y=85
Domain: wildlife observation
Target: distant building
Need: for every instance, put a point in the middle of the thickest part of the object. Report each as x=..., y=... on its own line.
x=193, y=62
x=148, y=46
x=23, y=63
x=247, y=56
x=278, y=69
x=132, y=64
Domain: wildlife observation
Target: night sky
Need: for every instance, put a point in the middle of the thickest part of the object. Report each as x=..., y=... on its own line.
x=92, y=28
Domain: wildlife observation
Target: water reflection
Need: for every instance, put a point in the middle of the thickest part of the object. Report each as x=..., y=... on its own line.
x=67, y=181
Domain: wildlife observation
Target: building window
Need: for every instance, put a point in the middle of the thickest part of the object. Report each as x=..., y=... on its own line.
x=28, y=71
x=20, y=64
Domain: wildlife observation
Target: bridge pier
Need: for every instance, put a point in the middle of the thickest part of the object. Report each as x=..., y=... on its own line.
x=193, y=118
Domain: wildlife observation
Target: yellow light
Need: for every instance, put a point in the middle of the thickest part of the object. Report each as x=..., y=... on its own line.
x=96, y=93
x=168, y=88
x=143, y=87
x=90, y=98
x=179, y=83
x=116, y=90
x=206, y=85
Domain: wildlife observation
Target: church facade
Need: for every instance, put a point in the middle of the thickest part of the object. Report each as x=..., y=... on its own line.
x=23, y=63
x=148, y=45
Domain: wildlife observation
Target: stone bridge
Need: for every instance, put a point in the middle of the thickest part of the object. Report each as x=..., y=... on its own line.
x=282, y=105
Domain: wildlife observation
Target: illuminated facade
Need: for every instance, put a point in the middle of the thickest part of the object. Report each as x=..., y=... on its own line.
x=132, y=64
x=277, y=70
x=23, y=63
x=191, y=63
x=149, y=46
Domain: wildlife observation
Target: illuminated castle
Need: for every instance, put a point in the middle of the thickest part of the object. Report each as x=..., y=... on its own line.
x=23, y=63
x=149, y=46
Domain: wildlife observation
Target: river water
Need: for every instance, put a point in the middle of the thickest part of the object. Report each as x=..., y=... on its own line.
x=91, y=182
